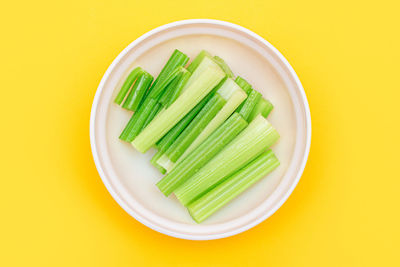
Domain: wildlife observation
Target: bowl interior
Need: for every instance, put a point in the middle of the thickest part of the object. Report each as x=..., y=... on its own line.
x=131, y=178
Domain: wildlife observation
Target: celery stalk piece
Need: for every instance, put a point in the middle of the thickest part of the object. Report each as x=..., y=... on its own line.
x=177, y=59
x=197, y=60
x=263, y=107
x=129, y=126
x=249, y=104
x=178, y=89
x=234, y=185
x=233, y=101
x=257, y=137
x=159, y=89
x=224, y=66
x=166, y=163
x=152, y=114
x=164, y=143
x=153, y=161
x=148, y=107
x=135, y=124
x=205, y=64
x=202, y=154
x=195, y=127
x=205, y=82
x=243, y=84
x=138, y=91
x=127, y=85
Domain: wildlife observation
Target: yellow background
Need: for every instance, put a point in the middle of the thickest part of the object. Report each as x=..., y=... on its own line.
x=55, y=211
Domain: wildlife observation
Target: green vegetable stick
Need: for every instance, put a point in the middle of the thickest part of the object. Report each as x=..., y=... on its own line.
x=249, y=104
x=197, y=60
x=257, y=137
x=172, y=134
x=206, y=81
x=234, y=185
x=243, y=84
x=138, y=91
x=202, y=154
x=195, y=127
x=263, y=107
x=127, y=85
x=224, y=66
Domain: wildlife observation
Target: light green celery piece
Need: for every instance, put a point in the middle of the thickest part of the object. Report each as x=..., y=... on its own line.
x=202, y=154
x=233, y=101
x=166, y=163
x=243, y=84
x=205, y=63
x=138, y=91
x=197, y=60
x=196, y=126
x=263, y=107
x=161, y=124
x=128, y=84
x=252, y=141
x=233, y=186
x=224, y=66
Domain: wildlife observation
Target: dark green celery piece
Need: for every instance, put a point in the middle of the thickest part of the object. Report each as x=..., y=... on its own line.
x=233, y=186
x=128, y=128
x=251, y=142
x=202, y=154
x=177, y=91
x=135, y=124
x=197, y=60
x=128, y=84
x=263, y=107
x=142, y=114
x=166, y=141
x=224, y=66
x=153, y=161
x=152, y=114
x=159, y=89
x=195, y=127
x=243, y=84
x=249, y=104
x=138, y=91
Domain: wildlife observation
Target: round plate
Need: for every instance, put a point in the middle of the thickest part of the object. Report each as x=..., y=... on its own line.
x=129, y=176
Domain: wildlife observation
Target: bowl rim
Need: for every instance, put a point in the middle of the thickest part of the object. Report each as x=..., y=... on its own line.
x=116, y=196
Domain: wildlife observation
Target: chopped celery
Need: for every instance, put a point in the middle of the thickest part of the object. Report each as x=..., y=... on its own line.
x=224, y=66
x=232, y=186
x=199, y=88
x=138, y=119
x=233, y=101
x=195, y=127
x=249, y=104
x=202, y=154
x=138, y=91
x=149, y=105
x=152, y=114
x=205, y=64
x=257, y=137
x=197, y=60
x=127, y=85
x=164, y=143
x=243, y=84
x=178, y=89
x=153, y=161
x=263, y=107
x=177, y=59
x=158, y=90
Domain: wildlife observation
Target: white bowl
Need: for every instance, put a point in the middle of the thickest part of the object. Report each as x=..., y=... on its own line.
x=131, y=179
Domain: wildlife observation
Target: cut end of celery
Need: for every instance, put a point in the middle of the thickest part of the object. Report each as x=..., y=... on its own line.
x=165, y=163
